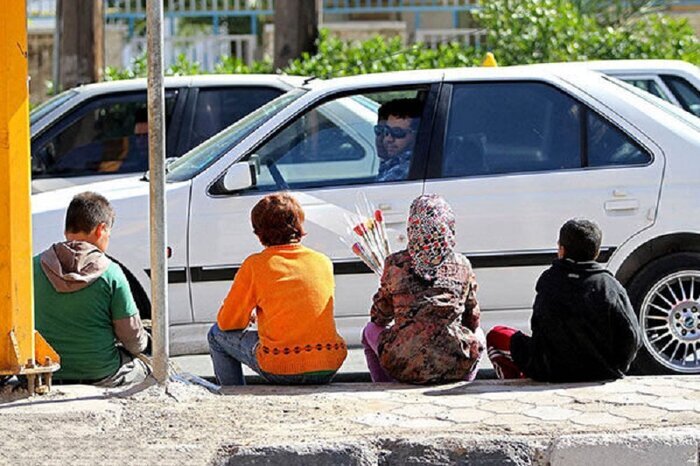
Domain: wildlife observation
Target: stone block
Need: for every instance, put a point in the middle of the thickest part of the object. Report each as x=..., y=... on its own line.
x=651, y=449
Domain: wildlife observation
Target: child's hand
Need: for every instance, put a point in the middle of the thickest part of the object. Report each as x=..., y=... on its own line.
x=475, y=348
x=253, y=317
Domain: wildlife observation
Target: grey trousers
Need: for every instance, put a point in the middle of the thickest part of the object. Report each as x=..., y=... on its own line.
x=131, y=371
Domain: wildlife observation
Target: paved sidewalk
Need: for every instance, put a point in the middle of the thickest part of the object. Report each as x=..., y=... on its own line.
x=635, y=421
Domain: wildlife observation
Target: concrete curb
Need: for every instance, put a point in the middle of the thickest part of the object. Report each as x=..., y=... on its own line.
x=672, y=447
x=356, y=454
x=659, y=448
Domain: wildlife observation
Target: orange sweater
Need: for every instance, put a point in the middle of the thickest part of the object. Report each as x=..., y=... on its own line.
x=292, y=288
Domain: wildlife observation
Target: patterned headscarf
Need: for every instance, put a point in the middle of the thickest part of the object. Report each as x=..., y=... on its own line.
x=431, y=235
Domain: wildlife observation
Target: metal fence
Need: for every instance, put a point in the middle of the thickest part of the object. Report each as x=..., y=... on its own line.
x=206, y=50
x=434, y=37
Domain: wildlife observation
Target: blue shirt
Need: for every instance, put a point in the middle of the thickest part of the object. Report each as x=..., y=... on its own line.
x=395, y=168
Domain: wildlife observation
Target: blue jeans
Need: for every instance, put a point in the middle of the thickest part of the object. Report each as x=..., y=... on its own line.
x=229, y=349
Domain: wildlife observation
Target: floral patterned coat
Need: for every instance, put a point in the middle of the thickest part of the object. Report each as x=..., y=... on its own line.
x=432, y=338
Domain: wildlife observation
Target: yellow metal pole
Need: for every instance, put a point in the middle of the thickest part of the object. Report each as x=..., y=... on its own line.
x=18, y=351
x=16, y=295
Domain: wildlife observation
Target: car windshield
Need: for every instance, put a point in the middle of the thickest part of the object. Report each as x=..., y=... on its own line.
x=50, y=105
x=662, y=104
x=202, y=156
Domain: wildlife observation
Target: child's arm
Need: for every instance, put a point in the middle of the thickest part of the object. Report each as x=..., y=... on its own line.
x=472, y=313
x=235, y=312
x=382, y=312
x=627, y=335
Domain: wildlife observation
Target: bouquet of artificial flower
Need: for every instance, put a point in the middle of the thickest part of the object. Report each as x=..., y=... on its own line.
x=368, y=237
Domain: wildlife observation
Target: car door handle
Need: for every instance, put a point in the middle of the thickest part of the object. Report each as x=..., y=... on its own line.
x=618, y=205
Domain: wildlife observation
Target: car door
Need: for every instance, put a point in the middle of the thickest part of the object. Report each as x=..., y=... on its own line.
x=328, y=158
x=103, y=137
x=516, y=160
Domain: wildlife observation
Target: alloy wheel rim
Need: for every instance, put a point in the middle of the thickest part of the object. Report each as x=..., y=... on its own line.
x=670, y=321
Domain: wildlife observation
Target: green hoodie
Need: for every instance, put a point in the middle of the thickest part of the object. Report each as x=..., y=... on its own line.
x=78, y=293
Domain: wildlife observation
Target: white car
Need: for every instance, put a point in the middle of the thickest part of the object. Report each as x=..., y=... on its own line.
x=516, y=151
x=673, y=80
x=99, y=131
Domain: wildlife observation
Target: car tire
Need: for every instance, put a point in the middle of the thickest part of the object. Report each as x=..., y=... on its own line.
x=665, y=295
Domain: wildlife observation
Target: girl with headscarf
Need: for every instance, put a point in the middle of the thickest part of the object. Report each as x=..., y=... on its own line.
x=428, y=292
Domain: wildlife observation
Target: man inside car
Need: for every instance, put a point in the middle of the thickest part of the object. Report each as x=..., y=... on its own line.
x=396, y=136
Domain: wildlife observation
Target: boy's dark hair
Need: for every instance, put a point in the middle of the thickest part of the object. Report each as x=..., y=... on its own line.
x=86, y=211
x=277, y=219
x=401, y=108
x=581, y=239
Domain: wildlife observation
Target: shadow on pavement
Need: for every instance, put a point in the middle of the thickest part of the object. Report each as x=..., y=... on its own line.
x=524, y=385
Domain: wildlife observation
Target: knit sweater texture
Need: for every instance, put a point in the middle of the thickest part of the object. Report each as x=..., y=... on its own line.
x=291, y=287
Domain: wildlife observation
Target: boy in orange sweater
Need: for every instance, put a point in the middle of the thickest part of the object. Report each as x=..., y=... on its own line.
x=290, y=287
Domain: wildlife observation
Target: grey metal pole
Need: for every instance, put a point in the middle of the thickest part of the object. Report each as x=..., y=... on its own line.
x=156, y=162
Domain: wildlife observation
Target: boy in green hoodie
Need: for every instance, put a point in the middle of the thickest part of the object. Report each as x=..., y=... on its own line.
x=83, y=303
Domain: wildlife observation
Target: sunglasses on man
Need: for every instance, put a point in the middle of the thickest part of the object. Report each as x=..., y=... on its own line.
x=395, y=132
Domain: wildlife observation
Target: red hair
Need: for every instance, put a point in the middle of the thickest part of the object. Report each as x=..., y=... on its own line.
x=277, y=219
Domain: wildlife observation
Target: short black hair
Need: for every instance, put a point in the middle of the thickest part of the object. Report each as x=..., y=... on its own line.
x=401, y=108
x=86, y=211
x=581, y=239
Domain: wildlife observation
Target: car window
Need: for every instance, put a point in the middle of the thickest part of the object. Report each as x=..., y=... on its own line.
x=649, y=85
x=343, y=141
x=217, y=108
x=607, y=145
x=686, y=93
x=50, y=105
x=203, y=156
x=510, y=128
x=500, y=128
x=670, y=109
x=108, y=135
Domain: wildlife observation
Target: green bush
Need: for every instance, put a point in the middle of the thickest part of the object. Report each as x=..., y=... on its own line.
x=234, y=65
x=137, y=69
x=653, y=36
x=183, y=67
x=337, y=58
x=540, y=31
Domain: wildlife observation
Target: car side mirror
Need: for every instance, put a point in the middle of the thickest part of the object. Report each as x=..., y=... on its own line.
x=238, y=177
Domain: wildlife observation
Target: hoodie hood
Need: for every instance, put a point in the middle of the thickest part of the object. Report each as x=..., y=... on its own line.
x=579, y=269
x=73, y=265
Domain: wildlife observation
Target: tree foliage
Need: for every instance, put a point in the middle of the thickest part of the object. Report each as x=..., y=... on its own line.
x=617, y=12
x=538, y=31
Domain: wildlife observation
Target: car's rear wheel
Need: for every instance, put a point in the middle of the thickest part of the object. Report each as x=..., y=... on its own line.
x=666, y=296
